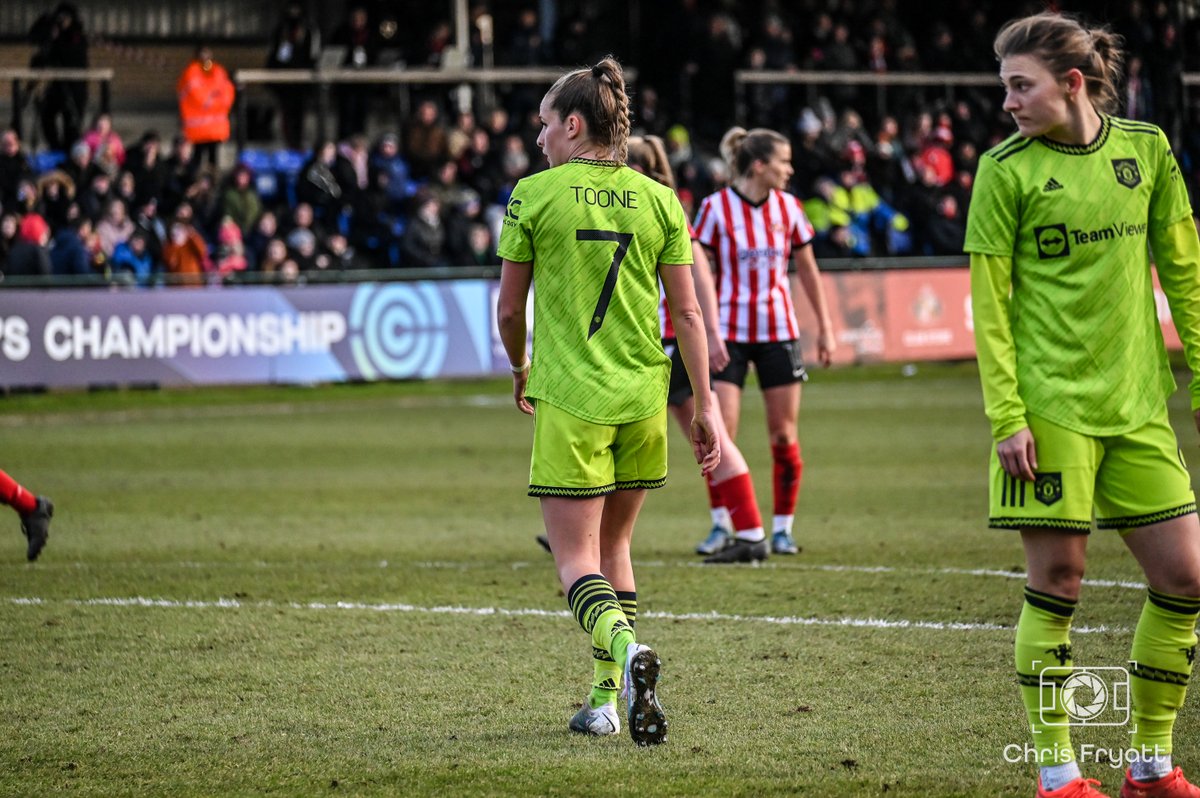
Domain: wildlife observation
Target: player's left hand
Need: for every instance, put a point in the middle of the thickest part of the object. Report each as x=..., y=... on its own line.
x=706, y=446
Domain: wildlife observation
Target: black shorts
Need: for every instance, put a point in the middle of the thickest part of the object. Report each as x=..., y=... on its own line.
x=679, y=390
x=776, y=362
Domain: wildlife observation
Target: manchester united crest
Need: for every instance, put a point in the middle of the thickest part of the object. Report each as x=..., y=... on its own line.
x=1127, y=172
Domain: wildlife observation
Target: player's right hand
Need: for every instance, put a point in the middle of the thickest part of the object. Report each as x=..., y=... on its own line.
x=1018, y=455
x=519, y=381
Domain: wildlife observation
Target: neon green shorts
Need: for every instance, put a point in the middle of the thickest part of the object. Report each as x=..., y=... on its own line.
x=1129, y=480
x=577, y=458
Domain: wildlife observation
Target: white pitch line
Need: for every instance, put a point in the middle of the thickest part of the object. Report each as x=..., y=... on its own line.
x=252, y=409
x=516, y=565
x=857, y=569
x=776, y=620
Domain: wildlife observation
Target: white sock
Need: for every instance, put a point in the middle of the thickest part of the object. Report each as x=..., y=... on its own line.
x=752, y=535
x=1057, y=776
x=783, y=522
x=722, y=518
x=1149, y=768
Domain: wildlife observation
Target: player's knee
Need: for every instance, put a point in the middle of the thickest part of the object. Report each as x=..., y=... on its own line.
x=1062, y=579
x=1181, y=583
x=783, y=437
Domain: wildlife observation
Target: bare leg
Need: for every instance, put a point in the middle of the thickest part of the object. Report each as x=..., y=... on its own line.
x=573, y=526
x=730, y=397
x=1169, y=553
x=783, y=409
x=1055, y=561
x=732, y=462
x=616, y=533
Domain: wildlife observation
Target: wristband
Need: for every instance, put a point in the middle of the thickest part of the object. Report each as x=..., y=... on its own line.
x=520, y=370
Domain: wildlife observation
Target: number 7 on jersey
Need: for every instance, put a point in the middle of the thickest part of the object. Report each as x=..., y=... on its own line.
x=622, y=241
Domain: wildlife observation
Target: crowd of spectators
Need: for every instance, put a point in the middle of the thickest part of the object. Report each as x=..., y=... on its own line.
x=876, y=180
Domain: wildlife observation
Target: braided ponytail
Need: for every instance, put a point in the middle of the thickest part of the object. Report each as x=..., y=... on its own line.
x=597, y=94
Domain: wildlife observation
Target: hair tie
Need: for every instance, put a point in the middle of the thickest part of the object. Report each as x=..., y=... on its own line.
x=597, y=72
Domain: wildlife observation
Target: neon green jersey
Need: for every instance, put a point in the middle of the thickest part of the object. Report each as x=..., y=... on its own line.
x=1066, y=229
x=596, y=232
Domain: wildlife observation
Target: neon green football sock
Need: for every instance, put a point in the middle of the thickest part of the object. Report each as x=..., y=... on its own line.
x=1164, y=646
x=1043, y=641
x=606, y=673
x=594, y=604
x=606, y=678
x=628, y=601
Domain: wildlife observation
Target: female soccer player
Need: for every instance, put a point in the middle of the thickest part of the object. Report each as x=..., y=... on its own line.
x=730, y=487
x=1075, y=377
x=754, y=229
x=597, y=236
x=35, y=512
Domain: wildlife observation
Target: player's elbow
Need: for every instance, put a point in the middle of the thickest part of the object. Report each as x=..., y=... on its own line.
x=510, y=316
x=688, y=315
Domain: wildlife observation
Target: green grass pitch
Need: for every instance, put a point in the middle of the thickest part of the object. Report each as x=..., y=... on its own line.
x=336, y=591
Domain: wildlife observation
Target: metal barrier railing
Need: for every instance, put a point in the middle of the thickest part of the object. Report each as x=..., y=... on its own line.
x=402, y=79
x=25, y=79
x=812, y=79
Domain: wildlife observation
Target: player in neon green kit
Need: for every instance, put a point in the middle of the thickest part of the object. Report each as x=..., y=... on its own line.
x=1075, y=378
x=596, y=237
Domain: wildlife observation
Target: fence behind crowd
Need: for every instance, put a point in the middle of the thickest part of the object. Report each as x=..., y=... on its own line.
x=415, y=329
x=324, y=79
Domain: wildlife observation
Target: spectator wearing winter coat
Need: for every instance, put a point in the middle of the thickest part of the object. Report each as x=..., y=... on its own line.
x=69, y=256
x=14, y=167
x=240, y=202
x=115, y=227
x=149, y=169
x=205, y=98
x=56, y=193
x=30, y=256
x=424, y=244
x=105, y=145
x=133, y=260
x=185, y=255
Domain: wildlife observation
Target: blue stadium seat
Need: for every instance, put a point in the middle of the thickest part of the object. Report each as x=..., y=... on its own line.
x=288, y=164
x=266, y=180
x=45, y=161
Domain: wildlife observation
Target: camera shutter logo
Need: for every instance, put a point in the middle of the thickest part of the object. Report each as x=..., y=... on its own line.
x=1087, y=696
x=398, y=331
x=1084, y=695
x=1052, y=241
x=1127, y=172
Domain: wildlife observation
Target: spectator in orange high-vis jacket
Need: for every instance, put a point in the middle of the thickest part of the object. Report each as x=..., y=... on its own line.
x=205, y=99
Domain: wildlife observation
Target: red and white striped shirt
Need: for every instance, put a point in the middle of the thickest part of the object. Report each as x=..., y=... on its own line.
x=664, y=312
x=753, y=244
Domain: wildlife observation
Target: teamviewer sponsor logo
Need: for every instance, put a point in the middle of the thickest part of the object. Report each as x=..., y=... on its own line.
x=1088, y=696
x=1052, y=241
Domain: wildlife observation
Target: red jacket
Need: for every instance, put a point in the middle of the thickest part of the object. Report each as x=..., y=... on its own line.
x=205, y=99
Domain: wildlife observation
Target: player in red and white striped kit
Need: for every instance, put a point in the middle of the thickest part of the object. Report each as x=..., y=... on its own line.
x=730, y=487
x=759, y=237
